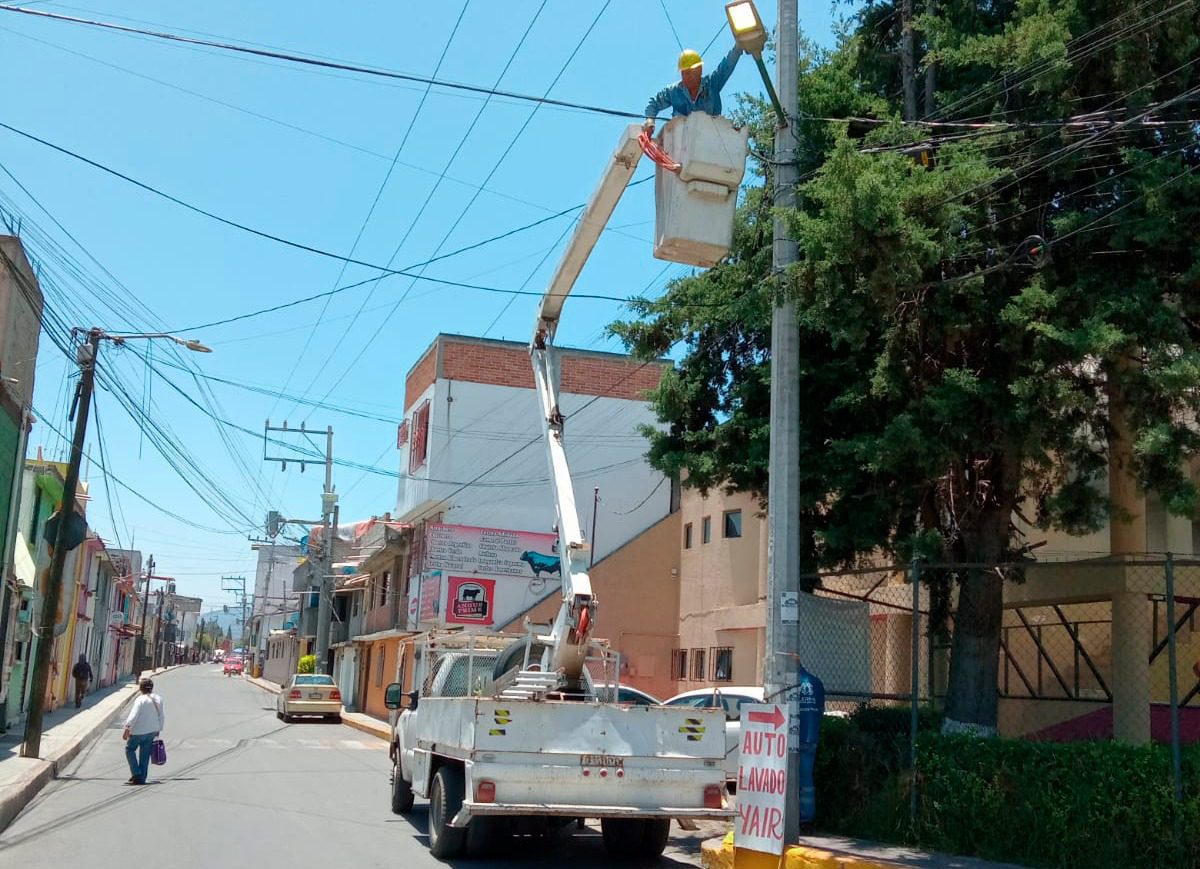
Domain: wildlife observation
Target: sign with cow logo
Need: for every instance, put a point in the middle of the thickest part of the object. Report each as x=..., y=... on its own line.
x=467, y=549
x=471, y=601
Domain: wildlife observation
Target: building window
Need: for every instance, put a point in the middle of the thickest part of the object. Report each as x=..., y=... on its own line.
x=419, y=450
x=698, y=673
x=706, y=530
x=733, y=523
x=679, y=660
x=722, y=664
x=687, y=536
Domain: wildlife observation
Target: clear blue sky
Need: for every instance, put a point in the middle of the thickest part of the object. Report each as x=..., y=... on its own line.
x=302, y=153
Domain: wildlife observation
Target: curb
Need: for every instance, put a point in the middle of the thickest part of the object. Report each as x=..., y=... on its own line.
x=378, y=730
x=48, y=768
x=720, y=854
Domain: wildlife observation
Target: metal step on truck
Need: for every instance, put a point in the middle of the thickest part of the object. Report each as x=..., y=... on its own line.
x=528, y=753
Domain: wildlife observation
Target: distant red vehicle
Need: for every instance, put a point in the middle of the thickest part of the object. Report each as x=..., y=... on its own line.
x=233, y=666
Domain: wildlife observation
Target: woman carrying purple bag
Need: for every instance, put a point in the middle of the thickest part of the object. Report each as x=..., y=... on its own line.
x=142, y=727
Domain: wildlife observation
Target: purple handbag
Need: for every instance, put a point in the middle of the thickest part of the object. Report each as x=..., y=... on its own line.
x=158, y=752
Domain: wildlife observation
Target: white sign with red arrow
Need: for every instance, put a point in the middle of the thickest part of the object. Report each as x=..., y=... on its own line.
x=762, y=778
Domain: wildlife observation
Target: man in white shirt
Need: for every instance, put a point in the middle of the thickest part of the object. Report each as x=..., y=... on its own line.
x=142, y=726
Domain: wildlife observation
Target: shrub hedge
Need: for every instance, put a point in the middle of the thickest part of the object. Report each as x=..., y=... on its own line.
x=1082, y=804
x=307, y=664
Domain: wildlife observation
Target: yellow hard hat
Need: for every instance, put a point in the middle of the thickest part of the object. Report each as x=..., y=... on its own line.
x=689, y=58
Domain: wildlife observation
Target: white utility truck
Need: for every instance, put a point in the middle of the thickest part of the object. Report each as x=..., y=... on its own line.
x=507, y=735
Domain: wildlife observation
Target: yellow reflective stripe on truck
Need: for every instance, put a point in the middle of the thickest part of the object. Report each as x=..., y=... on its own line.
x=694, y=728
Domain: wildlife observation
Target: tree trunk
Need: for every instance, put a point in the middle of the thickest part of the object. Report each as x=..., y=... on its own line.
x=908, y=75
x=930, y=70
x=971, y=699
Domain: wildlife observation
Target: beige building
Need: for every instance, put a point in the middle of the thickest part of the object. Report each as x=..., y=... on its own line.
x=1084, y=636
x=722, y=591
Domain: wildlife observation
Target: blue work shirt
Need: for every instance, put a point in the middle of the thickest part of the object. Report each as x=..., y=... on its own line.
x=708, y=98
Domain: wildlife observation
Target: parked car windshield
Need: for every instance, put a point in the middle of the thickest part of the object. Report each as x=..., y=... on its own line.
x=314, y=680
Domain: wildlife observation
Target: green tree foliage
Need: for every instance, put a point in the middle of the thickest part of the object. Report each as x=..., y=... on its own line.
x=307, y=664
x=957, y=373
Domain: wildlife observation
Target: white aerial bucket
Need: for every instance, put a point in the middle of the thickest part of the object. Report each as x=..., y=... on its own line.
x=694, y=207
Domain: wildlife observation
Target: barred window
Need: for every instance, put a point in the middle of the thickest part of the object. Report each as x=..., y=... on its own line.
x=698, y=672
x=722, y=664
x=679, y=662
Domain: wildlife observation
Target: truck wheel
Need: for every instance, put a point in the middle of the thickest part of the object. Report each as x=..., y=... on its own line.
x=485, y=835
x=623, y=836
x=654, y=837
x=445, y=799
x=402, y=793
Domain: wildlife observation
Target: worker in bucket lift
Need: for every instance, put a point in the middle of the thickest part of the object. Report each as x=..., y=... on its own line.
x=695, y=91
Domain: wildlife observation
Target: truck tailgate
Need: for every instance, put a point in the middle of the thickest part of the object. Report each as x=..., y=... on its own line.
x=574, y=729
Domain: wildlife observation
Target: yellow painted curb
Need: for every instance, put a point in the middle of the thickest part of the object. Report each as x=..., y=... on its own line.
x=720, y=854
x=800, y=857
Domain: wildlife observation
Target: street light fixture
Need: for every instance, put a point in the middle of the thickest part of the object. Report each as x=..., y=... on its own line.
x=747, y=26
x=750, y=34
x=190, y=343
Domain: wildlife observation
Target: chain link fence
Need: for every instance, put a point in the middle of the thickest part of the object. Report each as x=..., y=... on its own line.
x=1089, y=649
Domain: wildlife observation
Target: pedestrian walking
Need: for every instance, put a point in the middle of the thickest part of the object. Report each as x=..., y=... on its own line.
x=142, y=726
x=82, y=671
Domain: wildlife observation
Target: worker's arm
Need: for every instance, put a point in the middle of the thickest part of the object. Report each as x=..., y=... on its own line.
x=658, y=102
x=724, y=69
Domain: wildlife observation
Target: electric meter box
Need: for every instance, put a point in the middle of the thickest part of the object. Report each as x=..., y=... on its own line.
x=694, y=207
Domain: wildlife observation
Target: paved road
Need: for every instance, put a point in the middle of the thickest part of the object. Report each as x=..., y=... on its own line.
x=243, y=789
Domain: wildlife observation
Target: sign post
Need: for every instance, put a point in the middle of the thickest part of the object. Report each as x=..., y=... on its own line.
x=762, y=785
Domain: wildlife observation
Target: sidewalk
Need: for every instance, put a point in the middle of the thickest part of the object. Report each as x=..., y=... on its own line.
x=357, y=720
x=838, y=852
x=65, y=732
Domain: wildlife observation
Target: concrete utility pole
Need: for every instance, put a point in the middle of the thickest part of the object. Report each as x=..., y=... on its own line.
x=328, y=523
x=86, y=357
x=780, y=670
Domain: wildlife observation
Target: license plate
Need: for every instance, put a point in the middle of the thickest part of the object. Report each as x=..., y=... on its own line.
x=314, y=695
x=602, y=760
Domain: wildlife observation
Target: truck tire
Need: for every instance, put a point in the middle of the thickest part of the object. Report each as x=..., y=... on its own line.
x=486, y=835
x=623, y=836
x=402, y=793
x=445, y=799
x=654, y=837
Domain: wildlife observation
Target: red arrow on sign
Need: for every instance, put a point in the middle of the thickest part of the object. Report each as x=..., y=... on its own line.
x=775, y=717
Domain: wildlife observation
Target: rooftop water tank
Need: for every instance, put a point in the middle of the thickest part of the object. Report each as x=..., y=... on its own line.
x=694, y=207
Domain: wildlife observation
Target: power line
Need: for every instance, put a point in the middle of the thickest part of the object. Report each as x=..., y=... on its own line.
x=374, y=203
x=462, y=214
x=310, y=248
x=318, y=62
x=671, y=24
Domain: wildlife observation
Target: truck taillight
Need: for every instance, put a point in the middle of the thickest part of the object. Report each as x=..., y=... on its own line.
x=485, y=792
x=712, y=797
x=335, y=694
x=294, y=694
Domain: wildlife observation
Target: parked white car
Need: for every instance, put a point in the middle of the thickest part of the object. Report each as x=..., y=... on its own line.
x=730, y=700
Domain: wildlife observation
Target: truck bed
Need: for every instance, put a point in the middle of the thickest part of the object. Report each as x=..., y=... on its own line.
x=578, y=759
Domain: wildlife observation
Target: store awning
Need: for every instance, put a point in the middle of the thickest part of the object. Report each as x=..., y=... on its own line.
x=23, y=566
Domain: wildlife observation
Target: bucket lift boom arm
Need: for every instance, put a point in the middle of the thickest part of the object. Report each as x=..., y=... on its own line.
x=570, y=633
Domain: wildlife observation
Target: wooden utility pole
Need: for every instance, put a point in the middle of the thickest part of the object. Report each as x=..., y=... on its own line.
x=86, y=357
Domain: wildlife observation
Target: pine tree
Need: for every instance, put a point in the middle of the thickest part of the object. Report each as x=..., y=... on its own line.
x=971, y=299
